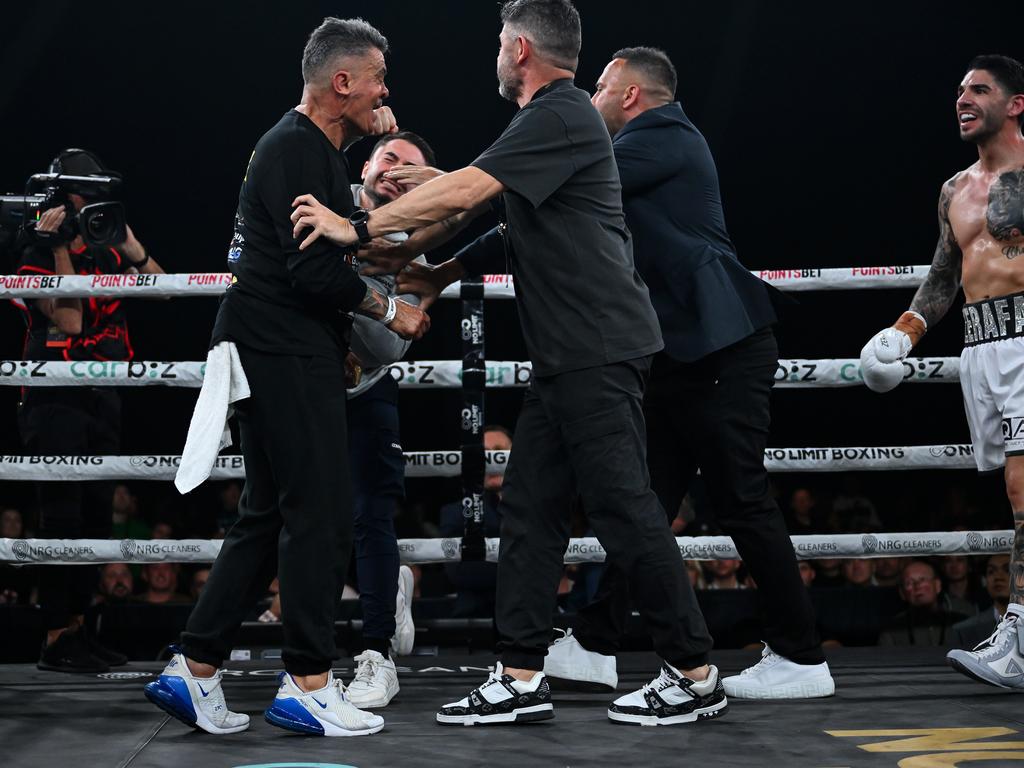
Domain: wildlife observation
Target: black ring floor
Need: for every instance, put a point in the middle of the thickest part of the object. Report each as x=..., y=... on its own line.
x=893, y=707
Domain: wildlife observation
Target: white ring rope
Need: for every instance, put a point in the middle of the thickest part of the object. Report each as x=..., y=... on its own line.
x=495, y=286
x=429, y=374
x=585, y=550
x=449, y=463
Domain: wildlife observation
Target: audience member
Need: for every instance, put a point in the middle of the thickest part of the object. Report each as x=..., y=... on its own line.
x=15, y=583
x=696, y=573
x=969, y=633
x=927, y=618
x=475, y=582
x=116, y=583
x=198, y=582
x=888, y=571
x=807, y=573
x=828, y=572
x=804, y=517
x=959, y=582
x=161, y=584
x=723, y=574
x=124, y=514
x=859, y=572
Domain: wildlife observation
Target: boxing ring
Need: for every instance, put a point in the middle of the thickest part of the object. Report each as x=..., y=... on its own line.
x=892, y=707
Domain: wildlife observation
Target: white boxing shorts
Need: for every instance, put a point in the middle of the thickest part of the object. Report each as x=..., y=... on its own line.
x=992, y=378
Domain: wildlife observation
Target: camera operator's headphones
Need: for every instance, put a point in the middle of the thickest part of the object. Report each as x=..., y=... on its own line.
x=79, y=162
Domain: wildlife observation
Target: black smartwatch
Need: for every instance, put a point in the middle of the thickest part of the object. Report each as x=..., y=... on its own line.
x=359, y=221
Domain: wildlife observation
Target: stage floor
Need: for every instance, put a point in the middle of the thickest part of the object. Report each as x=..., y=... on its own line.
x=892, y=707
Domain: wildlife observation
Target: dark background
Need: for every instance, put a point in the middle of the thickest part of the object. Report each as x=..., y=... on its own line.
x=832, y=124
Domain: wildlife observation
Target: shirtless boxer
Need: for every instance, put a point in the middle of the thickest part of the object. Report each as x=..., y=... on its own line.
x=981, y=237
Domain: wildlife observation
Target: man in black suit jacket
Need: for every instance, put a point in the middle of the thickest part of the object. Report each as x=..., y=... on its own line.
x=707, y=403
x=971, y=632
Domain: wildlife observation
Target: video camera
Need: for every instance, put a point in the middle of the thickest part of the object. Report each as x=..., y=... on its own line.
x=99, y=223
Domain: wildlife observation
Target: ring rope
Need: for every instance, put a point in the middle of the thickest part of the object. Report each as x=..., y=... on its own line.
x=449, y=463
x=429, y=374
x=495, y=286
x=582, y=550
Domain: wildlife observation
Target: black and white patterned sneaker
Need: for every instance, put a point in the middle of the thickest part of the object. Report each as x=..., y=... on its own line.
x=502, y=699
x=671, y=699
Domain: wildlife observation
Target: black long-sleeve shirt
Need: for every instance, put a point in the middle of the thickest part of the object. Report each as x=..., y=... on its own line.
x=283, y=300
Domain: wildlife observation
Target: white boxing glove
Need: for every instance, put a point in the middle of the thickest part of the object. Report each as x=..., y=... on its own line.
x=881, y=360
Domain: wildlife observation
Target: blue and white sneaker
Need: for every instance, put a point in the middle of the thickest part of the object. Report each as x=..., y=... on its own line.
x=324, y=712
x=198, y=702
x=998, y=661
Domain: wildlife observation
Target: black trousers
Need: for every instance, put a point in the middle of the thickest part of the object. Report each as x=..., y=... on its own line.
x=76, y=423
x=714, y=415
x=582, y=433
x=295, y=513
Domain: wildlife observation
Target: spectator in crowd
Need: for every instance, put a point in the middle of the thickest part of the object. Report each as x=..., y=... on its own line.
x=198, y=582
x=807, y=573
x=227, y=512
x=15, y=583
x=723, y=574
x=163, y=530
x=828, y=572
x=928, y=617
x=475, y=582
x=124, y=515
x=116, y=583
x=971, y=632
x=696, y=574
x=804, y=516
x=853, y=511
x=859, y=572
x=958, y=581
x=888, y=571
x=161, y=584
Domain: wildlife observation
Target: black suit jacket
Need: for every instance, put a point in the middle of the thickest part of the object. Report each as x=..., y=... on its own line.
x=705, y=299
x=969, y=632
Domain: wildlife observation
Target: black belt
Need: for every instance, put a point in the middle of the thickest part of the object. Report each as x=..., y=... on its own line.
x=994, y=320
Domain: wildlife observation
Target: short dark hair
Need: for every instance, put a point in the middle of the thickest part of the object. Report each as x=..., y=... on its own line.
x=653, y=63
x=413, y=138
x=497, y=428
x=338, y=37
x=553, y=26
x=1007, y=72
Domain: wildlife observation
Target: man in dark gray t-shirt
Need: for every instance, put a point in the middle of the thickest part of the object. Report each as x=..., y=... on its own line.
x=590, y=331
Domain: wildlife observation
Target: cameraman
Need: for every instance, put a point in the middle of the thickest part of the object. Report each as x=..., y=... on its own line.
x=74, y=420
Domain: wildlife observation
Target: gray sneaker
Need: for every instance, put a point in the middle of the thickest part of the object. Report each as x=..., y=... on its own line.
x=998, y=661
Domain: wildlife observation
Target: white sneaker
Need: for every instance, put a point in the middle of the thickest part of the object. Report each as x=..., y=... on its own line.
x=671, y=699
x=502, y=699
x=570, y=665
x=405, y=630
x=375, y=683
x=776, y=677
x=997, y=661
x=198, y=702
x=324, y=712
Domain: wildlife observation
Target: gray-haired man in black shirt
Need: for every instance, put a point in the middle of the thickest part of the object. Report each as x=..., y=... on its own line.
x=287, y=313
x=590, y=331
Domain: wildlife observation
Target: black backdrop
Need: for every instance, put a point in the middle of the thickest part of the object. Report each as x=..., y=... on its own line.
x=832, y=125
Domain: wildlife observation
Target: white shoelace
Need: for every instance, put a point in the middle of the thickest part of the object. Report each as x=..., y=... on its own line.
x=661, y=682
x=769, y=658
x=566, y=636
x=997, y=639
x=367, y=669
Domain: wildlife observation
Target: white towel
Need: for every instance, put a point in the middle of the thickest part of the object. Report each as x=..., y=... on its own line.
x=224, y=383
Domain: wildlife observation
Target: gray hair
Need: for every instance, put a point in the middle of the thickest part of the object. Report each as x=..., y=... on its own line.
x=653, y=64
x=335, y=38
x=553, y=26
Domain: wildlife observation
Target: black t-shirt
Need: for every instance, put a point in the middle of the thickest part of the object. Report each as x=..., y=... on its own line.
x=581, y=301
x=283, y=300
x=104, y=333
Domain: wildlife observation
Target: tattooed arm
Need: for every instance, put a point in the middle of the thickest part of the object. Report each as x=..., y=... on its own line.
x=935, y=296
x=407, y=321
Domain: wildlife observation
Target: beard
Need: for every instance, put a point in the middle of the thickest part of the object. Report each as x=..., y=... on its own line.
x=510, y=87
x=986, y=128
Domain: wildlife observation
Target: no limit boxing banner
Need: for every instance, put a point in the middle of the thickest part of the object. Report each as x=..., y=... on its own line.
x=474, y=381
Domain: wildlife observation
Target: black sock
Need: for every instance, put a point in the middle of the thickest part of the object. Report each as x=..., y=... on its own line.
x=383, y=647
